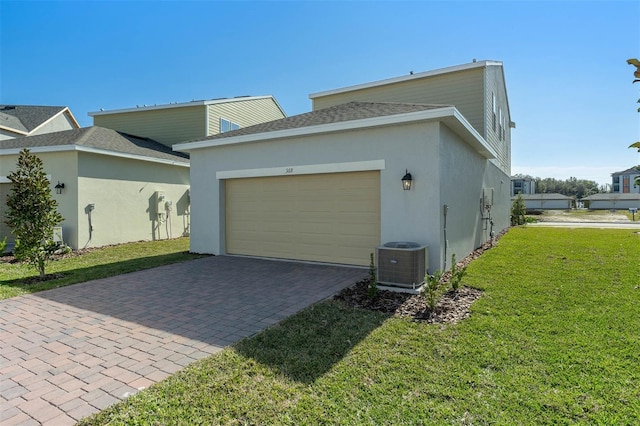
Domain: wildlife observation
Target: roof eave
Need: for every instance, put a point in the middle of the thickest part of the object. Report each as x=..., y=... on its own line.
x=449, y=115
x=184, y=104
x=67, y=111
x=80, y=148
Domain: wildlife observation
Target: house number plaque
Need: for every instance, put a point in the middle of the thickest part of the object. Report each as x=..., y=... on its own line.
x=289, y=170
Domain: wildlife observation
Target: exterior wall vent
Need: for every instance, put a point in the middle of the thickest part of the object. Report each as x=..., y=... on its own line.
x=402, y=264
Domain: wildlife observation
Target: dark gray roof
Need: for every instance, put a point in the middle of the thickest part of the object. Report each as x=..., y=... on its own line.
x=99, y=138
x=613, y=196
x=632, y=171
x=25, y=118
x=336, y=114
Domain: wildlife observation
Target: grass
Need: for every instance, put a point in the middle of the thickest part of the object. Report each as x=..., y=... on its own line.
x=554, y=340
x=16, y=278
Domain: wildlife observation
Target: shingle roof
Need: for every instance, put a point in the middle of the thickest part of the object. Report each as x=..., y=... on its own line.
x=99, y=138
x=612, y=196
x=339, y=113
x=632, y=171
x=25, y=118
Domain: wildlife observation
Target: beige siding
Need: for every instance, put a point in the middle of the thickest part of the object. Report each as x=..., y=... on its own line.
x=244, y=113
x=167, y=126
x=495, y=85
x=463, y=89
x=327, y=217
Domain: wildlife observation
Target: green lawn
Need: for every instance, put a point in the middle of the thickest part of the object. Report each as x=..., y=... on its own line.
x=99, y=263
x=554, y=340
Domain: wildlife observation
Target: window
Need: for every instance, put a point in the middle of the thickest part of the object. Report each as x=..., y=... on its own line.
x=227, y=126
x=493, y=107
x=501, y=128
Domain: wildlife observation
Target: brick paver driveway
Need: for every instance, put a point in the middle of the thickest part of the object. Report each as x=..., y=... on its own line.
x=69, y=352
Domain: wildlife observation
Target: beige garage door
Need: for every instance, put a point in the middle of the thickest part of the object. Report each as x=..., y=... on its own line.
x=325, y=217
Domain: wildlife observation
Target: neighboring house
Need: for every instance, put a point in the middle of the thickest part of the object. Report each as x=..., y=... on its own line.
x=535, y=202
x=623, y=182
x=26, y=120
x=612, y=201
x=326, y=185
x=179, y=122
x=522, y=186
x=116, y=186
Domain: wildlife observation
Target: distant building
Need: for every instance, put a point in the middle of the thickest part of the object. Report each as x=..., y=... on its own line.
x=623, y=182
x=522, y=186
x=613, y=201
x=539, y=202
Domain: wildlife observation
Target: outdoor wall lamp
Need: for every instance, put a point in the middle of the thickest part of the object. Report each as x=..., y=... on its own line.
x=407, y=180
x=59, y=187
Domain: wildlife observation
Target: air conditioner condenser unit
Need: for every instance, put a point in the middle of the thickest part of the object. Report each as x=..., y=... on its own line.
x=402, y=265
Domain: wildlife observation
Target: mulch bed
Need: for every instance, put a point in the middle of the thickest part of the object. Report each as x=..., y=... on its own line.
x=452, y=307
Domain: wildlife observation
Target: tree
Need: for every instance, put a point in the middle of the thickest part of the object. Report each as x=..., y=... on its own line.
x=518, y=211
x=32, y=212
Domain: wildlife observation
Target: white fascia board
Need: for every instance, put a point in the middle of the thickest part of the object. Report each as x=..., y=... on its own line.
x=308, y=169
x=66, y=110
x=178, y=105
x=80, y=148
x=465, y=130
x=431, y=73
x=450, y=115
x=12, y=130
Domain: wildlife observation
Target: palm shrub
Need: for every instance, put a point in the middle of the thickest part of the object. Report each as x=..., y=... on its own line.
x=456, y=273
x=430, y=288
x=32, y=212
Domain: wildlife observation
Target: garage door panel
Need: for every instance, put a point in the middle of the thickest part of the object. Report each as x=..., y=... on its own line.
x=328, y=218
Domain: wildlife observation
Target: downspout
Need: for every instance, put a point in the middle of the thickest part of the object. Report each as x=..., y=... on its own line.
x=445, y=210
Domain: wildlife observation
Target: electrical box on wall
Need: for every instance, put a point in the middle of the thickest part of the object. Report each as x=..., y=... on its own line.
x=160, y=199
x=487, y=197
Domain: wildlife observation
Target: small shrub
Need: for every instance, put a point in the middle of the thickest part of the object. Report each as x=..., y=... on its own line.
x=372, y=288
x=518, y=211
x=3, y=245
x=456, y=273
x=430, y=289
x=530, y=219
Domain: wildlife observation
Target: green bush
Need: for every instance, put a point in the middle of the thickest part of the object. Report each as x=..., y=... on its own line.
x=456, y=273
x=430, y=289
x=518, y=211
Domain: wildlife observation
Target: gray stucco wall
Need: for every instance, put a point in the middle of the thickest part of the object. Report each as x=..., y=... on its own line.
x=442, y=171
x=464, y=176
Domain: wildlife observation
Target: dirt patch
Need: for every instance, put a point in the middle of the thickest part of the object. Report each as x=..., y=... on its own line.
x=603, y=216
x=452, y=307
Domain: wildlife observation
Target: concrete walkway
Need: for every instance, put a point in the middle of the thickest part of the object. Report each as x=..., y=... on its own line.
x=585, y=224
x=70, y=352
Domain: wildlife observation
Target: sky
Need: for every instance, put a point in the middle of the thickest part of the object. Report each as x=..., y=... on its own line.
x=570, y=89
